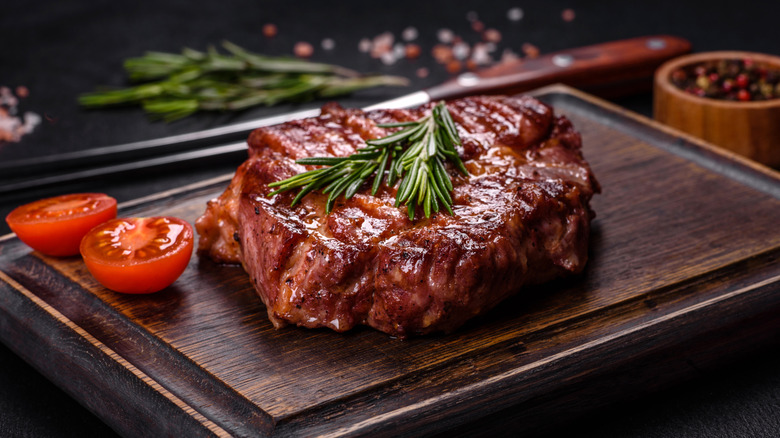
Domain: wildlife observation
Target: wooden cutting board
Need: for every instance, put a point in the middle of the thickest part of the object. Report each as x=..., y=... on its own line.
x=684, y=272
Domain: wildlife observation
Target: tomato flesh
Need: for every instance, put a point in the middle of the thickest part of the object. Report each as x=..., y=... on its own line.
x=55, y=226
x=138, y=255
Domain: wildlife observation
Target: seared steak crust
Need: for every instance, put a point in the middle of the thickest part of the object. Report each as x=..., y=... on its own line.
x=521, y=217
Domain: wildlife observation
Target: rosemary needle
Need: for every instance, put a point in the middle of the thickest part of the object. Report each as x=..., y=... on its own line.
x=173, y=86
x=413, y=155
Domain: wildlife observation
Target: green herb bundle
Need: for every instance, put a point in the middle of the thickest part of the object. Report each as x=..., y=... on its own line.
x=174, y=86
x=414, y=155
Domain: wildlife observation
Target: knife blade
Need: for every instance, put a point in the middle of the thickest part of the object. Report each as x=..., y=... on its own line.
x=612, y=68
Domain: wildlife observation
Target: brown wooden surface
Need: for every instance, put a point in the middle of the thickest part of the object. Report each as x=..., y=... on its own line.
x=751, y=129
x=684, y=272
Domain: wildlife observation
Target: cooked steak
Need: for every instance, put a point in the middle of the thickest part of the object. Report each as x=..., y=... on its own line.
x=521, y=217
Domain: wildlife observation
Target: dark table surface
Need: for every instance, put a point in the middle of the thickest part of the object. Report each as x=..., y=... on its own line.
x=61, y=49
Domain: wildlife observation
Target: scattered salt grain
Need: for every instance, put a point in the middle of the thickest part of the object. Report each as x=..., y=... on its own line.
x=384, y=39
x=514, y=14
x=568, y=15
x=388, y=58
x=270, y=30
x=409, y=34
x=364, y=45
x=8, y=128
x=461, y=51
x=12, y=128
x=8, y=100
x=480, y=54
x=530, y=50
x=508, y=56
x=328, y=44
x=413, y=51
x=492, y=35
x=422, y=72
x=303, y=49
x=382, y=44
x=477, y=26
x=445, y=36
x=399, y=50
x=31, y=120
x=442, y=53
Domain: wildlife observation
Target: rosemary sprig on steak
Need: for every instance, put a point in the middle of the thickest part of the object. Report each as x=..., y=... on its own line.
x=413, y=155
x=177, y=85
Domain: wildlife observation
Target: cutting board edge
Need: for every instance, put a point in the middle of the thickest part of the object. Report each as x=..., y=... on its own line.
x=386, y=425
x=64, y=339
x=660, y=340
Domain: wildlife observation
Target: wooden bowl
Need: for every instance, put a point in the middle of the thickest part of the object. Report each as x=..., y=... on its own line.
x=751, y=129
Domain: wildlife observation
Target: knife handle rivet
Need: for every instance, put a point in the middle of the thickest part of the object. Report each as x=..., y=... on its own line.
x=468, y=80
x=563, y=60
x=655, y=44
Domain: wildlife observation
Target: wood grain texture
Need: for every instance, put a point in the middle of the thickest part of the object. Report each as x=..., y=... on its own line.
x=683, y=272
x=747, y=128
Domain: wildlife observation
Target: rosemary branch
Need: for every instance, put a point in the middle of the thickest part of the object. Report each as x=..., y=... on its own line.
x=413, y=155
x=177, y=85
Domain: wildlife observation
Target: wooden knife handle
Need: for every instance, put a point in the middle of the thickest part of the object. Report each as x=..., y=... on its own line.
x=610, y=69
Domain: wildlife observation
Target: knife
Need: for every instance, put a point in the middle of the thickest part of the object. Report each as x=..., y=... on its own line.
x=607, y=69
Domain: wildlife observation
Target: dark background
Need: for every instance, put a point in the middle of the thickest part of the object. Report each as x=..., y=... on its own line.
x=61, y=49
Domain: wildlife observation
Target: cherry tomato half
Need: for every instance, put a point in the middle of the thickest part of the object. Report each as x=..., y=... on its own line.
x=55, y=226
x=138, y=255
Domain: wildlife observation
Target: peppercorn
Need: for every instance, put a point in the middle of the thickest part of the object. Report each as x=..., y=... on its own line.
x=679, y=77
x=742, y=80
x=702, y=82
x=729, y=79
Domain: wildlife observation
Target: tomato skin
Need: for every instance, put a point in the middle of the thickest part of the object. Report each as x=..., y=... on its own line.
x=55, y=226
x=138, y=255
